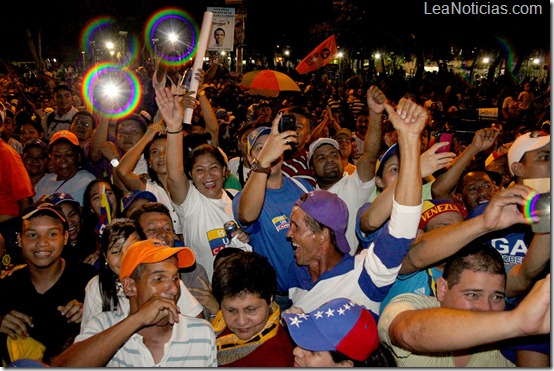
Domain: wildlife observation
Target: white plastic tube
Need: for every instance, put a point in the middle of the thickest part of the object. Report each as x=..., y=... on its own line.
x=199, y=59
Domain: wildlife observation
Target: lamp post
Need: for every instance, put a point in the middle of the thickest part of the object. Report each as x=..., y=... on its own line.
x=123, y=35
x=84, y=64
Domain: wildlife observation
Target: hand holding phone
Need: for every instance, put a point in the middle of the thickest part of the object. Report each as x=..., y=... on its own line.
x=445, y=137
x=287, y=122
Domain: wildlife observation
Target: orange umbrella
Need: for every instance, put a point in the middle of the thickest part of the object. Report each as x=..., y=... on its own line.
x=268, y=83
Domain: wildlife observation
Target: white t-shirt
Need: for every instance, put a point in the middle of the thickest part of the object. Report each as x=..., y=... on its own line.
x=354, y=193
x=92, y=304
x=202, y=221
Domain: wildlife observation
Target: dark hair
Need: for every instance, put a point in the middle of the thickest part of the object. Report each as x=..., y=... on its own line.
x=61, y=87
x=302, y=112
x=87, y=234
x=224, y=253
x=153, y=175
x=118, y=229
x=87, y=114
x=477, y=256
x=149, y=207
x=219, y=29
x=203, y=149
x=244, y=273
x=134, y=117
x=381, y=357
x=24, y=118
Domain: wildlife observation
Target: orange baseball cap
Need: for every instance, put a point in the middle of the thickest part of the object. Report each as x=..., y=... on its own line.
x=64, y=134
x=153, y=251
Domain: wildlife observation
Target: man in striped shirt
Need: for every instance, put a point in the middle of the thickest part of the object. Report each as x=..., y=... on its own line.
x=154, y=333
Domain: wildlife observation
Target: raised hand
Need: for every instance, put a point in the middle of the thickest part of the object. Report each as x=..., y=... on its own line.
x=408, y=117
x=170, y=109
x=277, y=143
x=432, y=161
x=484, y=138
x=503, y=209
x=376, y=99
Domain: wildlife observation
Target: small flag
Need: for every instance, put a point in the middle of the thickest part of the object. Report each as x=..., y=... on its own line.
x=319, y=57
x=105, y=213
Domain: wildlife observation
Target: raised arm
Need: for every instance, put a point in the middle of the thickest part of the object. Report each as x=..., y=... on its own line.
x=172, y=112
x=408, y=119
x=124, y=170
x=522, y=276
x=253, y=194
x=503, y=211
x=318, y=130
x=212, y=126
x=380, y=209
x=446, y=182
x=372, y=141
x=444, y=329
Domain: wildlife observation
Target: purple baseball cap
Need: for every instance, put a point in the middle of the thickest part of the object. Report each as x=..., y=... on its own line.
x=328, y=209
x=340, y=324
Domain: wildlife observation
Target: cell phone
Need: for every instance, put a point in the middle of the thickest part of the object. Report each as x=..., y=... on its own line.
x=185, y=80
x=445, y=137
x=287, y=122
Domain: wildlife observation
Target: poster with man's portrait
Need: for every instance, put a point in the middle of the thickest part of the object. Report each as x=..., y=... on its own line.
x=222, y=33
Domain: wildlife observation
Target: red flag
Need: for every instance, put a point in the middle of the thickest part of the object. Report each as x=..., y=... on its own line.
x=319, y=57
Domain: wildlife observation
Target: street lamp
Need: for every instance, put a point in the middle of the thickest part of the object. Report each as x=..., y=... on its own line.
x=84, y=64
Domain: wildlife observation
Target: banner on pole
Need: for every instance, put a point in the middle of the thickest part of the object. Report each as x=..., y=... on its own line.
x=319, y=57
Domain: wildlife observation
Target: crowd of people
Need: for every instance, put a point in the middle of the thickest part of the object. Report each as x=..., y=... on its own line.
x=367, y=222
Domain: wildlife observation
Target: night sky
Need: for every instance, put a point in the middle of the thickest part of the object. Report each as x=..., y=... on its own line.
x=284, y=22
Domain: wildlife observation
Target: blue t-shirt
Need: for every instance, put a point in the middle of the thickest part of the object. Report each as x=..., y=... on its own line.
x=268, y=234
x=512, y=243
x=422, y=282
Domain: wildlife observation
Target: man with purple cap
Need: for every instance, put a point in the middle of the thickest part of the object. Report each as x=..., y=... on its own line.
x=154, y=333
x=323, y=265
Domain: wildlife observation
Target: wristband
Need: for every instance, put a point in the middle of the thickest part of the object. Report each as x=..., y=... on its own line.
x=175, y=132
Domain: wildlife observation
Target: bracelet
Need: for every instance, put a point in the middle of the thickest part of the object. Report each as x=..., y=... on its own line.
x=175, y=132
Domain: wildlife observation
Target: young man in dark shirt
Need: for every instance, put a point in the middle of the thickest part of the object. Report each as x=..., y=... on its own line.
x=44, y=299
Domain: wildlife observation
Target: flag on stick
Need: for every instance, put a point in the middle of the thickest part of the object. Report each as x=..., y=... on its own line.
x=105, y=213
x=319, y=57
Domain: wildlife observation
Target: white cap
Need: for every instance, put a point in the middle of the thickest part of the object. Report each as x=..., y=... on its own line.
x=526, y=143
x=318, y=143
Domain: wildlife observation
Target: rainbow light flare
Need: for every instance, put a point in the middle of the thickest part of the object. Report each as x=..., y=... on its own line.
x=508, y=50
x=132, y=54
x=172, y=21
x=529, y=208
x=107, y=74
x=92, y=28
